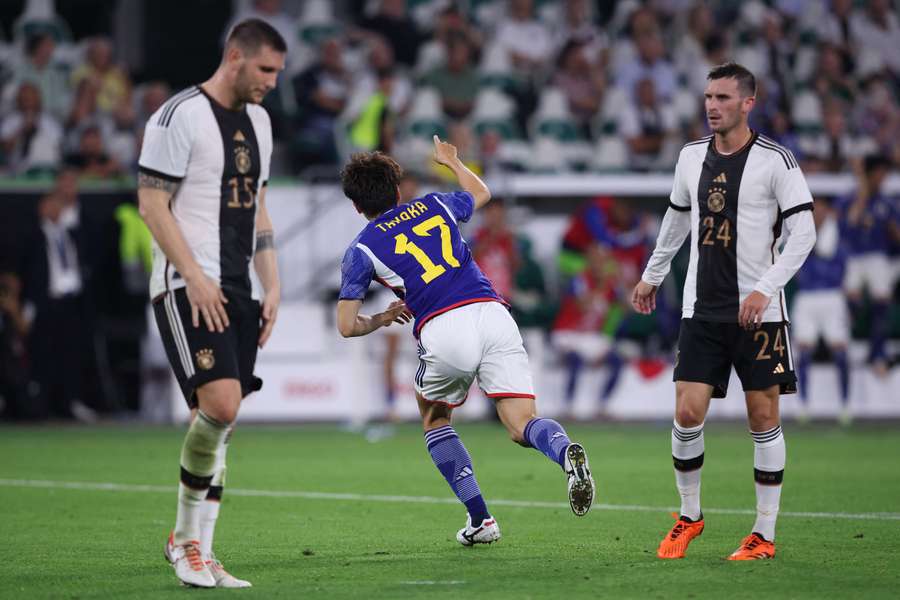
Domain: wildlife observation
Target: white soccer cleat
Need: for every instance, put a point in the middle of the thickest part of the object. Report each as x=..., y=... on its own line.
x=581, y=484
x=188, y=563
x=223, y=578
x=487, y=532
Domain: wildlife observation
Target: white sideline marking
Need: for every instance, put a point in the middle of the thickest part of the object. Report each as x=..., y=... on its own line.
x=163, y=489
x=429, y=582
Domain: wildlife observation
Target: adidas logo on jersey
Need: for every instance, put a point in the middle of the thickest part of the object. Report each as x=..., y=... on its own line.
x=720, y=178
x=778, y=369
x=463, y=473
x=239, y=136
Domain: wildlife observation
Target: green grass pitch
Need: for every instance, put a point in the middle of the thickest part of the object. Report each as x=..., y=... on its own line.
x=393, y=534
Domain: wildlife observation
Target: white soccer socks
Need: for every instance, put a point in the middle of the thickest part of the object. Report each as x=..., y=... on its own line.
x=209, y=509
x=687, y=456
x=198, y=465
x=768, y=470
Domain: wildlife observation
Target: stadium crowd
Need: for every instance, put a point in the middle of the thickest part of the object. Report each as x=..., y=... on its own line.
x=545, y=86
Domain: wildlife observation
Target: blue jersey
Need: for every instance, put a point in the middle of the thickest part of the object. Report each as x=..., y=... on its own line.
x=823, y=272
x=416, y=249
x=871, y=234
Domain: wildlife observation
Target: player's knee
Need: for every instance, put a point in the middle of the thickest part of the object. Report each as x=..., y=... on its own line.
x=224, y=413
x=688, y=415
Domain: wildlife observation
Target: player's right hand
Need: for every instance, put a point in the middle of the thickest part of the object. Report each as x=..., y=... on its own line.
x=444, y=152
x=207, y=299
x=397, y=313
x=643, y=298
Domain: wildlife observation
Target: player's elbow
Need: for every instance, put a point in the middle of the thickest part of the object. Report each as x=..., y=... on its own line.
x=345, y=330
x=482, y=196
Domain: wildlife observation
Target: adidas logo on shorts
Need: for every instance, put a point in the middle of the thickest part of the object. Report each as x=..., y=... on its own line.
x=778, y=369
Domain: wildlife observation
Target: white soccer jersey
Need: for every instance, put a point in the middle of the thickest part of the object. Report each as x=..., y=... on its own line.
x=738, y=205
x=221, y=159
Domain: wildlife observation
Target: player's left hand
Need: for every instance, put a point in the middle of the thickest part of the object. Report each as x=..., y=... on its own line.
x=752, y=309
x=269, y=314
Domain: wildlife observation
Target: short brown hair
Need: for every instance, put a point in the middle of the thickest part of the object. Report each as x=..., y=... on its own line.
x=370, y=180
x=251, y=34
x=745, y=79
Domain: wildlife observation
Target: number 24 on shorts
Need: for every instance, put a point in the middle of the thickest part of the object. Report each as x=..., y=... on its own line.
x=423, y=229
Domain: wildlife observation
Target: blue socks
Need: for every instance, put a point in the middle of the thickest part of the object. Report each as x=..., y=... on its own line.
x=840, y=361
x=453, y=461
x=548, y=437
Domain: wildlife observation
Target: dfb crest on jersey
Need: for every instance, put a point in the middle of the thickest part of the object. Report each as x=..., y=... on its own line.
x=716, y=200
x=205, y=359
x=241, y=153
x=242, y=159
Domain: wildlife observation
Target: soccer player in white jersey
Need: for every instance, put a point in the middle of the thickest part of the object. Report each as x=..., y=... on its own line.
x=201, y=188
x=734, y=192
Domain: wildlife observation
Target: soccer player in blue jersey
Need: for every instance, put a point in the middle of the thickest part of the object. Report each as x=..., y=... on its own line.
x=463, y=326
x=820, y=308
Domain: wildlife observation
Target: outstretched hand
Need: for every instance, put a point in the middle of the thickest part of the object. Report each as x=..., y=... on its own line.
x=444, y=152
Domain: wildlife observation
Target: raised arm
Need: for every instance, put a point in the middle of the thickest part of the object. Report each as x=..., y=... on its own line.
x=445, y=154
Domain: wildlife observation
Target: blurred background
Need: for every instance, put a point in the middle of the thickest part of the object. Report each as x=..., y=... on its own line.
x=574, y=111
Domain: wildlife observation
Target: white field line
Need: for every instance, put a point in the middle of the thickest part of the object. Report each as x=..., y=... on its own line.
x=162, y=489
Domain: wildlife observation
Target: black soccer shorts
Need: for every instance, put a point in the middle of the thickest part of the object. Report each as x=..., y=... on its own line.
x=762, y=357
x=199, y=356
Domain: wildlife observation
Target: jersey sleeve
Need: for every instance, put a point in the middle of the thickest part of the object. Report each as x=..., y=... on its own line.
x=790, y=188
x=680, y=198
x=264, y=135
x=460, y=204
x=167, y=145
x=357, y=272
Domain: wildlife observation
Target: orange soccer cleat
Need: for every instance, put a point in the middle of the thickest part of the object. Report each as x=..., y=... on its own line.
x=675, y=544
x=754, y=547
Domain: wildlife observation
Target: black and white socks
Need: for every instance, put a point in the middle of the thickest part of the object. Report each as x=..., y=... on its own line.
x=687, y=456
x=768, y=470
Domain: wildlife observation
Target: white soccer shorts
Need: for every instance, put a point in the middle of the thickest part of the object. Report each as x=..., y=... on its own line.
x=476, y=340
x=871, y=270
x=820, y=313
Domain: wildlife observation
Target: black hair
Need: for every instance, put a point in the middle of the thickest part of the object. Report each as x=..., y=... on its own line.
x=745, y=79
x=370, y=180
x=251, y=34
x=33, y=41
x=873, y=162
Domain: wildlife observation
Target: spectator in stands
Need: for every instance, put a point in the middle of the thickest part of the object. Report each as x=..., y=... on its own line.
x=381, y=95
x=831, y=78
x=393, y=23
x=460, y=134
x=820, y=308
x=151, y=96
x=577, y=26
x=835, y=149
x=457, y=80
x=91, y=159
x=526, y=39
x=691, y=49
x=871, y=221
x=836, y=26
x=650, y=128
x=876, y=35
x=54, y=285
x=582, y=83
x=879, y=117
x=112, y=84
x=50, y=77
x=584, y=330
x=14, y=326
x=649, y=63
x=321, y=92
x=30, y=137
x=495, y=248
